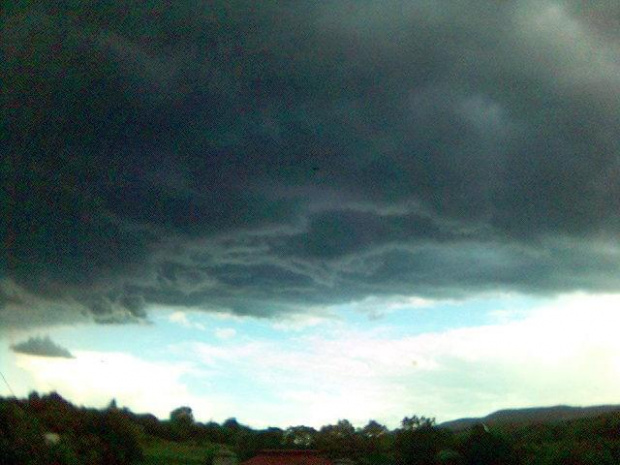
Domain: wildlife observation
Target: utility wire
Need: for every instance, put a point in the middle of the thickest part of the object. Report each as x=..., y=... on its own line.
x=7, y=384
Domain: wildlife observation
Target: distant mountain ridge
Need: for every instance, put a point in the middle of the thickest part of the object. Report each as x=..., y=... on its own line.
x=525, y=416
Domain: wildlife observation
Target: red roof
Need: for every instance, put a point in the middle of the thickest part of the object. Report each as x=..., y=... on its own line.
x=288, y=457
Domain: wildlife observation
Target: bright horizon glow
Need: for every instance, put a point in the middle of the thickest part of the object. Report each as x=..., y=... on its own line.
x=351, y=364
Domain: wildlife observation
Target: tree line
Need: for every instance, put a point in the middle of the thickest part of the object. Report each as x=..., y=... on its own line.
x=114, y=436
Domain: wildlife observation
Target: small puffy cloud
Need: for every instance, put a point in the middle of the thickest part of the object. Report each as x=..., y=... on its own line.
x=179, y=318
x=299, y=322
x=182, y=319
x=42, y=347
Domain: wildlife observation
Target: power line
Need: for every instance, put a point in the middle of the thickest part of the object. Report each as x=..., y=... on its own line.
x=7, y=384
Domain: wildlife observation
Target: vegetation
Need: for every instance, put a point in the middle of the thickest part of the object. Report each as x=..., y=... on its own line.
x=114, y=436
x=159, y=451
x=106, y=437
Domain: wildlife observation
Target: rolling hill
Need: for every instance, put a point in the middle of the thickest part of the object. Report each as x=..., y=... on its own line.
x=525, y=416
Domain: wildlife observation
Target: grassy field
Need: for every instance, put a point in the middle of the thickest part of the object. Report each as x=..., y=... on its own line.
x=160, y=452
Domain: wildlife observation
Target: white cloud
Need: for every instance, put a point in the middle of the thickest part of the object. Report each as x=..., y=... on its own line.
x=565, y=352
x=179, y=318
x=377, y=307
x=182, y=319
x=299, y=322
x=93, y=378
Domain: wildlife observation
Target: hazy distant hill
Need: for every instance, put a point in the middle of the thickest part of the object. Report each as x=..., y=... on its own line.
x=532, y=415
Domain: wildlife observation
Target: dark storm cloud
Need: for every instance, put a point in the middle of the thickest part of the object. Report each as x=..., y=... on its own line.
x=41, y=346
x=264, y=158
x=338, y=233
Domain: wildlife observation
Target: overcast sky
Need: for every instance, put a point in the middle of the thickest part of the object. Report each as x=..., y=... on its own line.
x=192, y=190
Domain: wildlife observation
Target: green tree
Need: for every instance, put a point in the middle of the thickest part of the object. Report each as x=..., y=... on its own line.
x=182, y=423
x=21, y=437
x=338, y=440
x=182, y=414
x=483, y=447
x=299, y=437
x=376, y=442
x=449, y=457
x=418, y=441
x=570, y=452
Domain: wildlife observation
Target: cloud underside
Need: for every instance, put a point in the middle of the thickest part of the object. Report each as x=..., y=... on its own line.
x=41, y=346
x=271, y=159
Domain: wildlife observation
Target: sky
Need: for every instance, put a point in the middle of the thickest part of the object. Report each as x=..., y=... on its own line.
x=292, y=213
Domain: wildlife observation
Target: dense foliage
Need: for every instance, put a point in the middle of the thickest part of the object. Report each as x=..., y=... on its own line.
x=114, y=436
x=108, y=437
